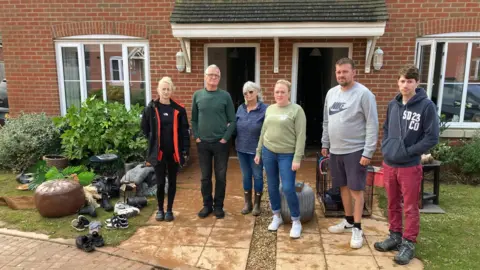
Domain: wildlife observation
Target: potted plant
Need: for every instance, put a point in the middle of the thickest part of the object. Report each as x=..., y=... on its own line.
x=57, y=161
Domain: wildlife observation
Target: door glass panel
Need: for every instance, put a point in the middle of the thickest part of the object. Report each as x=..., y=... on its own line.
x=424, y=64
x=472, y=106
x=114, y=73
x=136, y=69
x=93, y=70
x=71, y=76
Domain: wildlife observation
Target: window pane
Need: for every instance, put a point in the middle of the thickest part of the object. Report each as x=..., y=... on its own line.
x=424, y=63
x=93, y=70
x=472, y=110
x=136, y=68
x=71, y=76
x=113, y=70
x=454, y=78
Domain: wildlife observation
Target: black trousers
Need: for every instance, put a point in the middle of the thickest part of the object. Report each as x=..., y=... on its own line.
x=167, y=166
x=218, y=152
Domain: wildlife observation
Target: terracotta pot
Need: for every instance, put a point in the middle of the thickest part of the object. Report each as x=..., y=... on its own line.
x=58, y=161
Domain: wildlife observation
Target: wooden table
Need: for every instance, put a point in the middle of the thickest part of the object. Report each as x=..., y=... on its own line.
x=425, y=196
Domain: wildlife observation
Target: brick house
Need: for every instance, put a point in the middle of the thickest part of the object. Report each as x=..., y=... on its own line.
x=57, y=54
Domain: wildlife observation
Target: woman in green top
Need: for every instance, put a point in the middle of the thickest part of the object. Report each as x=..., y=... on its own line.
x=281, y=147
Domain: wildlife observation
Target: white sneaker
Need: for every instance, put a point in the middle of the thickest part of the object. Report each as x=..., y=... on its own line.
x=341, y=227
x=276, y=222
x=296, y=230
x=357, y=238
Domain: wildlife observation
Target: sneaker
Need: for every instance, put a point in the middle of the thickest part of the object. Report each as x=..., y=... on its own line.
x=296, y=230
x=116, y=223
x=391, y=243
x=94, y=227
x=341, y=227
x=125, y=209
x=406, y=252
x=160, y=216
x=122, y=218
x=357, y=238
x=205, y=212
x=169, y=216
x=219, y=213
x=80, y=223
x=84, y=243
x=97, y=239
x=276, y=222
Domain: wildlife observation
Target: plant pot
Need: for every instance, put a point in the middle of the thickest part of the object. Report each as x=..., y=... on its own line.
x=58, y=161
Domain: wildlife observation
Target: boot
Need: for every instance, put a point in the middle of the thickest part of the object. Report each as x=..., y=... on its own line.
x=247, y=208
x=138, y=202
x=88, y=210
x=105, y=204
x=256, y=205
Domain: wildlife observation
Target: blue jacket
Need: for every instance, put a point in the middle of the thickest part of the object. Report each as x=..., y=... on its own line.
x=249, y=127
x=410, y=130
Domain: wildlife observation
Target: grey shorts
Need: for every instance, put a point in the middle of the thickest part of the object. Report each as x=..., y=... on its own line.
x=347, y=171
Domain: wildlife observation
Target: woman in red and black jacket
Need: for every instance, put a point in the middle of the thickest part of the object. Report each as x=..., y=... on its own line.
x=165, y=124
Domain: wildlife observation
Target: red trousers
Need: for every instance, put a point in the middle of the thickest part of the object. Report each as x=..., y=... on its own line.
x=403, y=183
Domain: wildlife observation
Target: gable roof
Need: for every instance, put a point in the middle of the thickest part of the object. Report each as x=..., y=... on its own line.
x=267, y=11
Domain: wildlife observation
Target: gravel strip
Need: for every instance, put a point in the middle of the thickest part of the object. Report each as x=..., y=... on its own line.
x=263, y=248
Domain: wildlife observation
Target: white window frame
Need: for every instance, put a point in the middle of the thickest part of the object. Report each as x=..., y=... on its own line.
x=469, y=38
x=296, y=48
x=119, y=59
x=101, y=40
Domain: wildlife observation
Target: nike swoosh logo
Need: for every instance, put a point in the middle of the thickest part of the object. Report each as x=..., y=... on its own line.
x=332, y=112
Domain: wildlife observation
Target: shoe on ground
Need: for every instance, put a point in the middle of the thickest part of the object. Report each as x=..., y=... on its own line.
x=406, y=252
x=341, y=227
x=296, y=230
x=125, y=209
x=116, y=223
x=218, y=212
x=160, y=216
x=169, y=216
x=84, y=243
x=205, y=212
x=122, y=218
x=80, y=223
x=94, y=227
x=97, y=239
x=357, y=238
x=391, y=243
x=88, y=210
x=276, y=222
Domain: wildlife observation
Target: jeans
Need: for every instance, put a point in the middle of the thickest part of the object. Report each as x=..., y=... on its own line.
x=164, y=167
x=249, y=169
x=218, y=152
x=281, y=165
x=403, y=183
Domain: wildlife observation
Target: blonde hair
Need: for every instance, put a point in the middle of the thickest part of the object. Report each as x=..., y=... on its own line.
x=168, y=81
x=253, y=86
x=286, y=83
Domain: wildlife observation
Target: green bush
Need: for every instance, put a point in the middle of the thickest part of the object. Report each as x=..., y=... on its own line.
x=469, y=156
x=444, y=152
x=24, y=140
x=44, y=173
x=99, y=127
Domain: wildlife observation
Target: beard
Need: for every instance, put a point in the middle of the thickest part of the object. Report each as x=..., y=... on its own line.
x=344, y=83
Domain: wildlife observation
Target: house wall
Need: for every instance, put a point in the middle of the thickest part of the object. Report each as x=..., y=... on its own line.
x=29, y=30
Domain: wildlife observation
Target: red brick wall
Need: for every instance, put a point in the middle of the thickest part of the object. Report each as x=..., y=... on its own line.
x=29, y=30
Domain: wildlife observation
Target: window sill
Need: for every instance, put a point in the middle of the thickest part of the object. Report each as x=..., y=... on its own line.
x=457, y=132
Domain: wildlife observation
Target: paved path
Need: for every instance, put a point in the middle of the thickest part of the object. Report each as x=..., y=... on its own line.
x=26, y=253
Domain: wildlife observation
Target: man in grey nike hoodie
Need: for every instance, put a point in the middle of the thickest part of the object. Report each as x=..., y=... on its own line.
x=411, y=128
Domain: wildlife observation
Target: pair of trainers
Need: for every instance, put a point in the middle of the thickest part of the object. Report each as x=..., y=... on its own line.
x=161, y=216
x=80, y=223
x=89, y=242
x=295, y=231
x=117, y=222
x=122, y=208
x=356, y=241
x=406, y=248
x=206, y=211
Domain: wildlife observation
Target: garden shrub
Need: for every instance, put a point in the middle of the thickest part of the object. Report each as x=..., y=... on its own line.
x=469, y=156
x=99, y=127
x=25, y=139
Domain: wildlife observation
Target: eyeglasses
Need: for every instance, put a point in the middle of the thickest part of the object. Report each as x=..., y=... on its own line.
x=248, y=92
x=213, y=75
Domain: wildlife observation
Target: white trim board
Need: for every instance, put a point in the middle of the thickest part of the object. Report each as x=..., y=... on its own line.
x=270, y=30
x=297, y=46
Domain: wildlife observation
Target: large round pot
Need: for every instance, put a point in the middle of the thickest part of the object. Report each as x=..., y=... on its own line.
x=58, y=161
x=59, y=198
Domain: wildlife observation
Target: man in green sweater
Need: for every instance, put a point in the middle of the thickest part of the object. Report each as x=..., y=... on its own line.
x=213, y=122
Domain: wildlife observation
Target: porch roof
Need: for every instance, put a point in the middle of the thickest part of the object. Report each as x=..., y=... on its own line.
x=263, y=11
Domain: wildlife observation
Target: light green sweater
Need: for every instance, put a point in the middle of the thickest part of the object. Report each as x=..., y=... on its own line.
x=283, y=131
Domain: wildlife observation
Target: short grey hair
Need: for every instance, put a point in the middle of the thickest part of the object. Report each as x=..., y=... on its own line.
x=255, y=87
x=213, y=66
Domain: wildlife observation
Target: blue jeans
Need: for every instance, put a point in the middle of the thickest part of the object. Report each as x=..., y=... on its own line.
x=249, y=169
x=281, y=165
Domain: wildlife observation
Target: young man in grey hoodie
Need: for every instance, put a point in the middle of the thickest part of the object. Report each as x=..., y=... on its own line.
x=411, y=129
x=350, y=133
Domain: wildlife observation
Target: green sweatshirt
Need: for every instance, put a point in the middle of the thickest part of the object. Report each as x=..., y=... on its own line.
x=283, y=131
x=213, y=115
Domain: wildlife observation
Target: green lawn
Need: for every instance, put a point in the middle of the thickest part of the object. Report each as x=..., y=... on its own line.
x=451, y=240
x=31, y=221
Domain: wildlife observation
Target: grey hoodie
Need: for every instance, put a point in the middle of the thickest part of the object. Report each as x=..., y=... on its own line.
x=410, y=130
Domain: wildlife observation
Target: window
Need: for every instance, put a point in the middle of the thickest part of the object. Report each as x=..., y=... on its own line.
x=450, y=73
x=114, y=70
